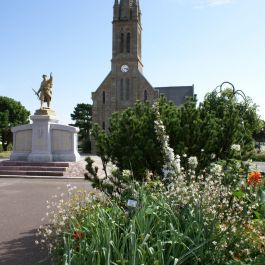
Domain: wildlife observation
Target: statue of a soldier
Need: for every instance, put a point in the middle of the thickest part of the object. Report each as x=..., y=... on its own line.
x=45, y=91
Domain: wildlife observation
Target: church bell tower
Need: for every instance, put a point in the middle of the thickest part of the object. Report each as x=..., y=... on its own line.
x=127, y=36
x=125, y=83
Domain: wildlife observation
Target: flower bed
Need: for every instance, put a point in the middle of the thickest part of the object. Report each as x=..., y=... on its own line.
x=184, y=216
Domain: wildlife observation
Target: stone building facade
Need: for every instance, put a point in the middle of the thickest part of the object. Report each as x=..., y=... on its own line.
x=125, y=84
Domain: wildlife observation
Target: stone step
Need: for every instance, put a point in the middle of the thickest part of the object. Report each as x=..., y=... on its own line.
x=40, y=164
x=39, y=177
x=31, y=173
x=32, y=168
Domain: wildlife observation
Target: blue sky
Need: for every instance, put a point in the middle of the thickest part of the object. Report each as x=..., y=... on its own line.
x=200, y=42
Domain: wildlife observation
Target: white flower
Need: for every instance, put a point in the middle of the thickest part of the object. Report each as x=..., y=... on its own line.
x=236, y=147
x=217, y=169
x=126, y=173
x=193, y=161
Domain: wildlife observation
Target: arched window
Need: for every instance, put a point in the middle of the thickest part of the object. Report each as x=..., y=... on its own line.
x=122, y=43
x=145, y=95
x=121, y=90
x=127, y=94
x=103, y=97
x=128, y=43
x=103, y=125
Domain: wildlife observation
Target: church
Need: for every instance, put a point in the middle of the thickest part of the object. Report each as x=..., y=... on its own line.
x=125, y=83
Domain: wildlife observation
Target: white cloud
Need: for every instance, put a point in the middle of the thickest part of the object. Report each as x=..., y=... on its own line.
x=211, y=3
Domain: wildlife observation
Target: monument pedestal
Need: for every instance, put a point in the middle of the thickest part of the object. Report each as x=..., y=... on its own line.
x=41, y=138
x=45, y=140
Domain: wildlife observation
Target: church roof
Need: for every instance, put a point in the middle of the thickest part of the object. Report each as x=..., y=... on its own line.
x=177, y=94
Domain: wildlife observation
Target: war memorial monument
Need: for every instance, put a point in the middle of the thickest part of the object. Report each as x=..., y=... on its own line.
x=45, y=140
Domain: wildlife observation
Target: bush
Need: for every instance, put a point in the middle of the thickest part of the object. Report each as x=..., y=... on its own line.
x=184, y=218
x=208, y=132
x=194, y=220
x=132, y=143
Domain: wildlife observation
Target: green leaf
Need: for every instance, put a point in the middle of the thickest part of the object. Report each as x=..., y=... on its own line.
x=239, y=194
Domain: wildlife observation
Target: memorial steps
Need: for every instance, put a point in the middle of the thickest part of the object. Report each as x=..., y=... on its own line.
x=29, y=169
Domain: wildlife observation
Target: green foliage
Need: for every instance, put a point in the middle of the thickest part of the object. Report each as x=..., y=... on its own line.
x=260, y=136
x=152, y=235
x=236, y=123
x=206, y=131
x=82, y=116
x=12, y=114
x=209, y=130
x=159, y=230
x=86, y=145
x=132, y=142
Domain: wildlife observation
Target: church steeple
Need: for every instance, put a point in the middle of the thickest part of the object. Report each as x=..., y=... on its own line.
x=126, y=10
x=127, y=31
x=125, y=83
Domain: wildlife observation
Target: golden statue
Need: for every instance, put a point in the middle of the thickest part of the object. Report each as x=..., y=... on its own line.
x=45, y=91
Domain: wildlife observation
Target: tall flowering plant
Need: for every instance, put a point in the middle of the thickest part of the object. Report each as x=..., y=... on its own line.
x=171, y=161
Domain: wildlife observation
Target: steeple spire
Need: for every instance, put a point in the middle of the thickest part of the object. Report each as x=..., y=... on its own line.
x=116, y=10
x=125, y=7
x=126, y=10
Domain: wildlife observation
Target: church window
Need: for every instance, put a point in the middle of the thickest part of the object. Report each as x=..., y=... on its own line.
x=121, y=90
x=103, y=125
x=103, y=97
x=145, y=95
x=128, y=43
x=122, y=43
x=127, y=89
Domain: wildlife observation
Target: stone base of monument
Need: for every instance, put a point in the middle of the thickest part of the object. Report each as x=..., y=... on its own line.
x=27, y=169
x=45, y=140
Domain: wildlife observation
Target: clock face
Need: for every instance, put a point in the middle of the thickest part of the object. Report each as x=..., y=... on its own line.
x=124, y=68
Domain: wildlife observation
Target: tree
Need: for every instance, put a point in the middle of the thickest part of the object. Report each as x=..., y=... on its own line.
x=131, y=143
x=12, y=113
x=82, y=116
x=207, y=131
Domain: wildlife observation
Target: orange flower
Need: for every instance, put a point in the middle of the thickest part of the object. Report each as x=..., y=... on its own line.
x=254, y=178
x=78, y=235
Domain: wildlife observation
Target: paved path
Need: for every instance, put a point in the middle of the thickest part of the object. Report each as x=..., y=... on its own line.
x=22, y=205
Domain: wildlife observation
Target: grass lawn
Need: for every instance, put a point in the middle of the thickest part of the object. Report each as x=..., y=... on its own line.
x=5, y=154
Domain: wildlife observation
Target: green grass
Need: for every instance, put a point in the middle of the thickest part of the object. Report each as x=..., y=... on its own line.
x=5, y=154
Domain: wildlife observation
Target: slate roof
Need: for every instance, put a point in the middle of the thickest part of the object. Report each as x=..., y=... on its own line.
x=177, y=94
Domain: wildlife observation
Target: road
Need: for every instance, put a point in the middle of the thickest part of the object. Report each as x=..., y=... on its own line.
x=22, y=205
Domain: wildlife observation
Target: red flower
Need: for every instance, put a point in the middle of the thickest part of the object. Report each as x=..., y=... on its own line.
x=78, y=235
x=254, y=178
